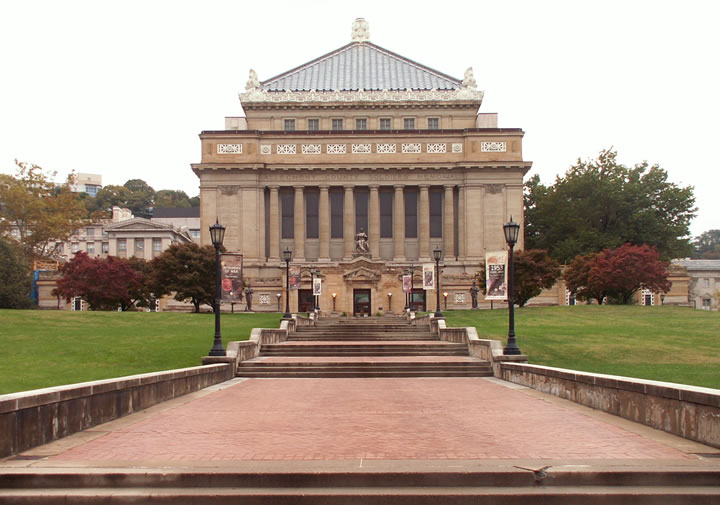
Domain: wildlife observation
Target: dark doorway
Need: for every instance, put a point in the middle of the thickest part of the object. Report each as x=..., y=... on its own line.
x=417, y=300
x=305, y=300
x=361, y=302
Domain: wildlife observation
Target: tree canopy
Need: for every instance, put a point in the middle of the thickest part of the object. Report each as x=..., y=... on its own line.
x=39, y=213
x=707, y=245
x=15, y=280
x=187, y=270
x=601, y=204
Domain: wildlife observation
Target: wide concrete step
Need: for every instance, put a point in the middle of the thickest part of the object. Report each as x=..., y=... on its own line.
x=365, y=336
x=167, y=486
x=365, y=348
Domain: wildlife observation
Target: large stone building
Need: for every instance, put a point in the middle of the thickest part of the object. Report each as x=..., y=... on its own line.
x=361, y=140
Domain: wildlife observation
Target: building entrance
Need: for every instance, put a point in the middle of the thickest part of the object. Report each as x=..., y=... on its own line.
x=417, y=300
x=361, y=302
x=305, y=300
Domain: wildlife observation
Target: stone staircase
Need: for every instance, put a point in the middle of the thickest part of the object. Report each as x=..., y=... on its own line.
x=364, y=347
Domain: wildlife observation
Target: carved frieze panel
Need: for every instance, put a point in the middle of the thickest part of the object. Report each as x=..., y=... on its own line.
x=494, y=189
x=457, y=148
x=361, y=148
x=493, y=147
x=459, y=298
x=229, y=148
x=264, y=299
x=411, y=148
x=286, y=148
x=266, y=149
x=436, y=148
x=386, y=148
x=229, y=190
x=336, y=148
x=312, y=148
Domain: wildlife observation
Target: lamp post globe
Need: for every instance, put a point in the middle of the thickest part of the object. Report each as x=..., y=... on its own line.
x=287, y=256
x=217, y=235
x=512, y=231
x=437, y=254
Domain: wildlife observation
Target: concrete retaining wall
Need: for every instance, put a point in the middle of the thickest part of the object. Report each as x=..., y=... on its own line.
x=687, y=411
x=33, y=418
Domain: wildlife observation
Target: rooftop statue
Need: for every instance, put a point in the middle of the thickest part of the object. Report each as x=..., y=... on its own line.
x=360, y=30
x=252, y=83
x=469, y=80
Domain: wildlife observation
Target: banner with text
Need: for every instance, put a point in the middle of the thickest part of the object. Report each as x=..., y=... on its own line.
x=428, y=276
x=407, y=283
x=231, y=267
x=294, y=280
x=317, y=287
x=496, y=275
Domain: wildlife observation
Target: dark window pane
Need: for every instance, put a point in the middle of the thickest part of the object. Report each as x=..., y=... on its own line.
x=336, y=213
x=337, y=124
x=313, y=124
x=411, y=199
x=436, y=213
x=361, y=209
x=433, y=123
x=287, y=201
x=289, y=125
x=311, y=213
x=361, y=124
x=386, y=204
x=385, y=123
x=409, y=123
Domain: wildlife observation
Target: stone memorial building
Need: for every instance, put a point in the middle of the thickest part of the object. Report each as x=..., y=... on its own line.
x=361, y=162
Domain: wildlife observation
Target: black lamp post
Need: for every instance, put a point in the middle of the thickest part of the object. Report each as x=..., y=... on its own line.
x=512, y=230
x=287, y=256
x=412, y=286
x=217, y=234
x=407, y=295
x=437, y=254
x=312, y=288
x=317, y=301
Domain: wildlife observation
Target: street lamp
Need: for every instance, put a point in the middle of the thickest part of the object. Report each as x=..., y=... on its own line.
x=445, y=295
x=278, y=299
x=217, y=234
x=317, y=302
x=412, y=286
x=389, y=302
x=334, y=295
x=312, y=288
x=512, y=230
x=437, y=254
x=287, y=256
x=407, y=295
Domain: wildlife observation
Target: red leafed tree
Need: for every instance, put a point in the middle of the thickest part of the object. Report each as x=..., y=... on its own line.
x=577, y=279
x=627, y=269
x=104, y=284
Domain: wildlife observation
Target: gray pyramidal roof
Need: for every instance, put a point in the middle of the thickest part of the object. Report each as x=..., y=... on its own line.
x=361, y=66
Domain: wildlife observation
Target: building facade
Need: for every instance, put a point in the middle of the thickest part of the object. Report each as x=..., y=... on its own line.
x=361, y=141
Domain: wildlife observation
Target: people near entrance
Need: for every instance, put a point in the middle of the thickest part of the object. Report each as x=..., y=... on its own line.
x=248, y=298
x=474, y=294
x=361, y=242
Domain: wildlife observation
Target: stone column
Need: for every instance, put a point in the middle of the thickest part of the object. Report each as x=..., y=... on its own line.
x=449, y=223
x=274, y=223
x=299, y=224
x=324, y=224
x=374, y=221
x=424, y=222
x=461, y=223
x=476, y=214
x=349, y=221
x=399, y=223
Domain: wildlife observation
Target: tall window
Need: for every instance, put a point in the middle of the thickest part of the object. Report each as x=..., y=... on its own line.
x=75, y=247
x=313, y=124
x=361, y=124
x=436, y=212
x=311, y=213
x=105, y=248
x=409, y=123
x=337, y=124
x=122, y=245
x=361, y=209
x=287, y=201
x=385, y=123
x=411, y=221
x=289, y=125
x=90, y=232
x=139, y=245
x=336, y=213
x=157, y=245
x=386, y=217
x=433, y=123
x=91, y=248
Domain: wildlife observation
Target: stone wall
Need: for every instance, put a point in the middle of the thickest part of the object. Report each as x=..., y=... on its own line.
x=33, y=418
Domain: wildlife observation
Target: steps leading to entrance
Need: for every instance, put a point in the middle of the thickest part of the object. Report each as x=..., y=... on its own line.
x=477, y=487
x=358, y=348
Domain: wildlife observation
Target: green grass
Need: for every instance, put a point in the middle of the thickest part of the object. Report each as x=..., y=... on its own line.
x=48, y=348
x=672, y=344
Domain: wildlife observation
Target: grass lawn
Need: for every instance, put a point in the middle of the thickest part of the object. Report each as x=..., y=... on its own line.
x=672, y=344
x=49, y=348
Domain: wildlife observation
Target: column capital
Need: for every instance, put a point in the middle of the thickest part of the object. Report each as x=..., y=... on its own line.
x=398, y=186
x=324, y=187
x=449, y=186
x=374, y=187
x=298, y=188
x=424, y=187
x=274, y=187
x=349, y=187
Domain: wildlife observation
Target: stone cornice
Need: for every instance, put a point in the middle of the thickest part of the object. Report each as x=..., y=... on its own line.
x=259, y=96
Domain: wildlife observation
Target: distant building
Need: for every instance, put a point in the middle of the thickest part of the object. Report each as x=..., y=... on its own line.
x=187, y=219
x=704, y=282
x=87, y=183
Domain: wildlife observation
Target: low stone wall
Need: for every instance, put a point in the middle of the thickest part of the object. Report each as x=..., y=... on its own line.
x=33, y=418
x=686, y=411
x=250, y=348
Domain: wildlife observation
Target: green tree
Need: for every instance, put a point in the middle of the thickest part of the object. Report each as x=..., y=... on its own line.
x=534, y=271
x=108, y=197
x=15, y=277
x=707, y=245
x=172, y=198
x=602, y=204
x=39, y=213
x=188, y=271
x=141, y=199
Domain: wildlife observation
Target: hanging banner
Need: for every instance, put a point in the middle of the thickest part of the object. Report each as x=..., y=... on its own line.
x=317, y=287
x=428, y=276
x=496, y=275
x=294, y=280
x=407, y=284
x=231, y=270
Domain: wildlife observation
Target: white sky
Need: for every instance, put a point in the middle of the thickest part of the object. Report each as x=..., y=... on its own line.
x=124, y=88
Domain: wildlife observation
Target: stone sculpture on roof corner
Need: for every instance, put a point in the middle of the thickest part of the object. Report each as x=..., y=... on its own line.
x=361, y=138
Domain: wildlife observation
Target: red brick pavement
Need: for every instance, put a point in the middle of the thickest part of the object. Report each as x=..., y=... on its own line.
x=331, y=419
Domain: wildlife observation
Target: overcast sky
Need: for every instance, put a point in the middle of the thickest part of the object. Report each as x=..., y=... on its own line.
x=124, y=88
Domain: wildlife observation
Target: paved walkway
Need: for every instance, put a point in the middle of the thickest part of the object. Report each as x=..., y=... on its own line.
x=363, y=419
